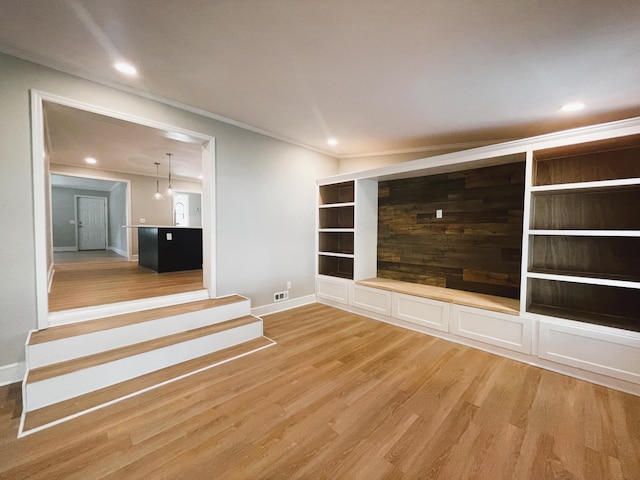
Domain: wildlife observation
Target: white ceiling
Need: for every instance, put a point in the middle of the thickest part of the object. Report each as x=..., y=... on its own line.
x=379, y=75
x=71, y=135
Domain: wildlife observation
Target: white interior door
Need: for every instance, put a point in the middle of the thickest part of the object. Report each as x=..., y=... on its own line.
x=92, y=223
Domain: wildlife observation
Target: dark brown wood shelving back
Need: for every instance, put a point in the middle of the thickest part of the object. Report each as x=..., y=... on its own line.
x=336, y=242
x=609, y=159
x=337, y=193
x=599, y=304
x=335, y=266
x=613, y=258
x=605, y=209
x=336, y=217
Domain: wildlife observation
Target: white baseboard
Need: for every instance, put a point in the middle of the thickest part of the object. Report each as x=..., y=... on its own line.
x=122, y=253
x=65, y=249
x=134, y=258
x=50, y=274
x=282, y=306
x=12, y=373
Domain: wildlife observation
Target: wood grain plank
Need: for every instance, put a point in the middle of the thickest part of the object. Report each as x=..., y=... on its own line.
x=482, y=216
x=423, y=408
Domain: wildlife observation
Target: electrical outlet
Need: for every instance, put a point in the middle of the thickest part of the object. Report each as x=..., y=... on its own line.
x=280, y=296
x=439, y=213
x=288, y=285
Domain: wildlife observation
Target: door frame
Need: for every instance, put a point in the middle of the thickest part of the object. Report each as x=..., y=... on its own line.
x=42, y=193
x=105, y=205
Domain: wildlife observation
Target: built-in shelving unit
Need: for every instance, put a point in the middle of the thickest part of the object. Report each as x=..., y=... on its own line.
x=336, y=232
x=584, y=236
x=577, y=311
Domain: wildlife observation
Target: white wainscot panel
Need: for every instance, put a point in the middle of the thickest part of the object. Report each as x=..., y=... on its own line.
x=507, y=331
x=421, y=311
x=371, y=299
x=615, y=355
x=333, y=290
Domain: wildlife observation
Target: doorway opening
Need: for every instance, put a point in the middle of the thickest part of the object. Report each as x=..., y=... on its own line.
x=46, y=159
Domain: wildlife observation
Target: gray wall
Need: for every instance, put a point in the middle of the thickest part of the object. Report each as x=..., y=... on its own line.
x=118, y=218
x=63, y=210
x=265, y=198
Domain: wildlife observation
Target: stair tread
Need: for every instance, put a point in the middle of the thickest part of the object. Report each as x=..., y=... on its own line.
x=69, y=366
x=106, y=323
x=81, y=403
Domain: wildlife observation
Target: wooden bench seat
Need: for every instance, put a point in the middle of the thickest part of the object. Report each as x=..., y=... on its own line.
x=479, y=300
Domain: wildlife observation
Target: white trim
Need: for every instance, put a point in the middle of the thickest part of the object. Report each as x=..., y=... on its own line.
x=90, y=313
x=588, y=233
x=50, y=275
x=337, y=230
x=282, y=306
x=559, y=187
x=39, y=192
x=12, y=373
x=41, y=246
x=527, y=214
x=333, y=254
x=337, y=205
x=71, y=248
x=586, y=280
x=22, y=433
x=122, y=253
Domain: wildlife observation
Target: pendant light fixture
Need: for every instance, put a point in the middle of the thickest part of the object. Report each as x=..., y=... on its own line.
x=169, y=189
x=157, y=195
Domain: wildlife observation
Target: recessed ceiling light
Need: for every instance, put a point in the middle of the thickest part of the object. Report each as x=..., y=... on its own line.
x=91, y=160
x=572, y=107
x=126, y=68
x=200, y=176
x=332, y=141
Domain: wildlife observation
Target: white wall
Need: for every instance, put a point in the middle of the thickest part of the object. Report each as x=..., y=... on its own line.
x=265, y=198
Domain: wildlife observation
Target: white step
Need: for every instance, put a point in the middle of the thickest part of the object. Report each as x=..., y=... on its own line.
x=66, y=342
x=62, y=381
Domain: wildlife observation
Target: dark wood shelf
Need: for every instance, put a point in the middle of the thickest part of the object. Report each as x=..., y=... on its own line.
x=335, y=266
x=336, y=217
x=604, y=276
x=609, y=209
x=336, y=242
x=586, y=302
x=625, y=323
x=337, y=193
x=609, y=159
x=613, y=258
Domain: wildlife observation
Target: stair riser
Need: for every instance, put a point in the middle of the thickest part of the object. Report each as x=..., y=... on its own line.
x=56, y=351
x=54, y=390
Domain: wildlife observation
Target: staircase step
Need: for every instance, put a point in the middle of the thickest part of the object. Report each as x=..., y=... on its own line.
x=92, y=326
x=71, y=408
x=62, y=381
x=67, y=342
x=63, y=368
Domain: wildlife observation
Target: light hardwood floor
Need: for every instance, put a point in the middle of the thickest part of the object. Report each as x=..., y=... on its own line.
x=92, y=282
x=343, y=397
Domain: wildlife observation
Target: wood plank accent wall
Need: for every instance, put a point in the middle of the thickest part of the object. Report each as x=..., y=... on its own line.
x=476, y=246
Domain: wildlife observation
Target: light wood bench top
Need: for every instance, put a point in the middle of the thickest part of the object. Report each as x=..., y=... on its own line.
x=459, y=297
